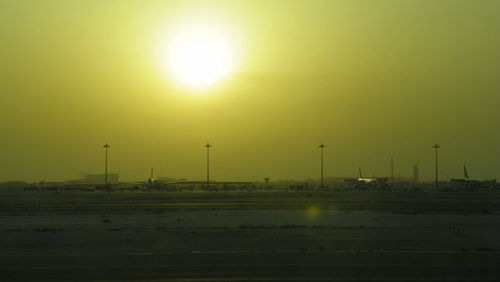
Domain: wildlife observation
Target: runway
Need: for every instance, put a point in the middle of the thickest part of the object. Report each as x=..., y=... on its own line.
x=204, y=266
x=249, y=237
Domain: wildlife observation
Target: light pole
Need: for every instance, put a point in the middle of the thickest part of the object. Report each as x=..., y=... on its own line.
x=436, y=147
x=322, y=147
x=106, y=146
x=392, y=169
x=208, y=146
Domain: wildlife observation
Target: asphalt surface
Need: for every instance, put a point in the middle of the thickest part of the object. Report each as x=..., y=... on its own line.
x=157, y=237
x=333, y=266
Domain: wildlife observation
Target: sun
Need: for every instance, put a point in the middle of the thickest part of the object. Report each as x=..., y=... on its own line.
x=199, y=57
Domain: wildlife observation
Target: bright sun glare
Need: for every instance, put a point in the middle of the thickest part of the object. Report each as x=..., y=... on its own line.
x=199, y=57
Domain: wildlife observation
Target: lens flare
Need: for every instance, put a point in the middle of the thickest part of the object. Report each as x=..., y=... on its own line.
x=313, y=212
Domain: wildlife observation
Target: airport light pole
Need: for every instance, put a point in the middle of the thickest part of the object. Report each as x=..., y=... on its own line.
x=436, y=147
x=322, y=147
x=392, y=169
x=106, y=147
x=208, y=146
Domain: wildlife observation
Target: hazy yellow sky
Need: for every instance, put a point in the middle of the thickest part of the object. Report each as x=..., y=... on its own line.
x=371, y=79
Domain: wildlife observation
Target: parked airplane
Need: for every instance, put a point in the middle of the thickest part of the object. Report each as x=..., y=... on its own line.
x=365, y=183
x=468, y=183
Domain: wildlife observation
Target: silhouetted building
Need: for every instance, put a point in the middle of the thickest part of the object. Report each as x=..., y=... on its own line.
x=97, y=178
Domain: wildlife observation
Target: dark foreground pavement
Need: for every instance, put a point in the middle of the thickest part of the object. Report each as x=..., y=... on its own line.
x=287, y=266
x=337, y=237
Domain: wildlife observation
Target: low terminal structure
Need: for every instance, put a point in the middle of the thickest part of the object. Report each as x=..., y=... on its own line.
x=97, y=179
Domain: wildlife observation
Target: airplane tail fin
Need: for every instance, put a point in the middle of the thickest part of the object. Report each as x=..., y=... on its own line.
x=466, y=175
x=360, y=174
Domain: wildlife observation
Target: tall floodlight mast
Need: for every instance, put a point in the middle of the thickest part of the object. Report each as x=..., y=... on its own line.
x=208, y=146
x=322, y=147
x=392, y=169
x=106, y=147
x=437, y=175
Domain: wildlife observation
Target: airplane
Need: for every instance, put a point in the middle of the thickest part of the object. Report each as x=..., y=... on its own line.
x=365, y=183
x=474, y=184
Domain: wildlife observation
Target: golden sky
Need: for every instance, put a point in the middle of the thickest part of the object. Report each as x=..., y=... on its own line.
x=371, y=79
